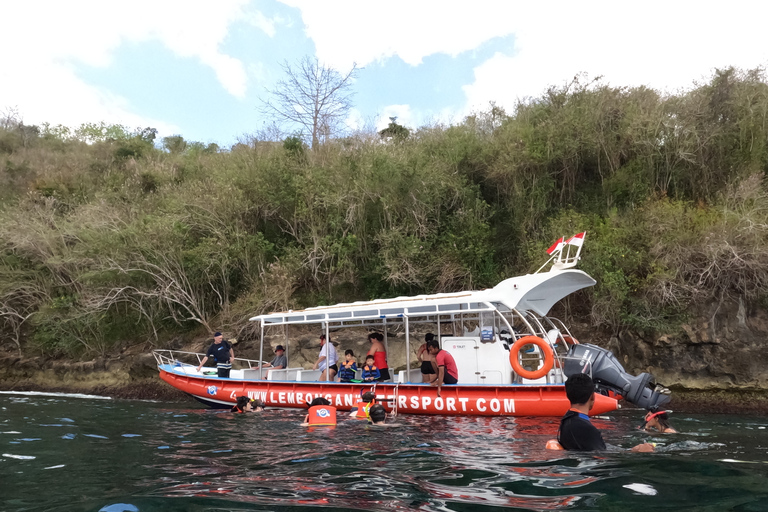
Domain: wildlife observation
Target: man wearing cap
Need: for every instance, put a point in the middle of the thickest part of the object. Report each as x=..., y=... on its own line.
x=280, y=361
x=222, y=352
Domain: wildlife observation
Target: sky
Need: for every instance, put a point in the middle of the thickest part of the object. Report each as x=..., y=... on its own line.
x=200, y=69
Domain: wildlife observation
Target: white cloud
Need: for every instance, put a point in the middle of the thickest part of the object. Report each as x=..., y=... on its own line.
x=347, y=31
x=46, y=37
x=663, y=44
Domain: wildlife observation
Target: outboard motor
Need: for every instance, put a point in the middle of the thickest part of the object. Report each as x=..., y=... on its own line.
x=609, y=375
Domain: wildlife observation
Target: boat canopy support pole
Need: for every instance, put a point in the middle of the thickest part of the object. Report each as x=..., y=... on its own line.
x=407, y=348
x=386, y=339
x=261, y=352
x=327, y=351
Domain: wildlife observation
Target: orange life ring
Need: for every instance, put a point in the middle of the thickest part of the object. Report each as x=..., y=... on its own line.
x=549, y=357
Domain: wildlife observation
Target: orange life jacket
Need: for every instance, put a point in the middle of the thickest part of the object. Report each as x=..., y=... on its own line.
x=363, y=410
x=322, y=415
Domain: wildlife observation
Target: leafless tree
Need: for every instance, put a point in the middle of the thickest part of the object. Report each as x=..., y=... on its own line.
x=313, y=96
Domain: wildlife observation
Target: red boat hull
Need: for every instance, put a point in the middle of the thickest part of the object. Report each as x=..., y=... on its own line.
x=455, y=400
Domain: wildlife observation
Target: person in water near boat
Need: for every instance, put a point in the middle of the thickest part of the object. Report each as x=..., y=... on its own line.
x=447, y=371
x=378, y=416
x=658, y=419
x=245, y=404
x=348, y=367
x=326, y=361
x=428, y=366
x=363, y=407
x=576, y=430
x=280, y=361
x=370, y=372
x=321, y=413
x=379, y=354
x=221, y=351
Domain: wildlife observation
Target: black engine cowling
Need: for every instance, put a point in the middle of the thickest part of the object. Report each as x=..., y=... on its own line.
x=609, y=375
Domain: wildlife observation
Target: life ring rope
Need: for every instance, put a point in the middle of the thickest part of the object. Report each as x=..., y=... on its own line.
x=546, y=350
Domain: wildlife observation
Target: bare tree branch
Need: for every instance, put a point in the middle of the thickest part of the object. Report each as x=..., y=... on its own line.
x=313, y=96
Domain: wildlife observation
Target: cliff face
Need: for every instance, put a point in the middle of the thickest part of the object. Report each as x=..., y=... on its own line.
x=723, y=347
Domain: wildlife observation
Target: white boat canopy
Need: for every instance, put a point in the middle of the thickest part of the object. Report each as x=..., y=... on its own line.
x=532, y=292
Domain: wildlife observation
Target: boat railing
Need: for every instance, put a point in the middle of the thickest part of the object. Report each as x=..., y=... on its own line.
x=181, y=359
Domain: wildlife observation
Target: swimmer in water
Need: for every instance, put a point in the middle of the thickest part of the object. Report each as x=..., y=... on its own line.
x=244, y=404
x=658, y=419
x=377, y=416
x=317, y=401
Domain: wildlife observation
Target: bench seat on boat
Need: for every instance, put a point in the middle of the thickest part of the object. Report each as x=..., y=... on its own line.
x=412, y=376
x=284, y=373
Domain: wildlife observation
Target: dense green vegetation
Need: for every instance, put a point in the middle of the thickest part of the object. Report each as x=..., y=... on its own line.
x=108, y=236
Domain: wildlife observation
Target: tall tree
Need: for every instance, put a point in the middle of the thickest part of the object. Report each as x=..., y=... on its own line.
x=314, y=96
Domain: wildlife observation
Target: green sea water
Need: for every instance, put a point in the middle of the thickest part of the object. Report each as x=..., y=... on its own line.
x=67, y=453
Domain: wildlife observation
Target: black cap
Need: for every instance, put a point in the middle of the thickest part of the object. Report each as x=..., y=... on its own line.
x=216, y=334
x=279, y=347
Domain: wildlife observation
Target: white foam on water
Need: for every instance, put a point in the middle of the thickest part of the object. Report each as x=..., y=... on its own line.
x=55, y=467
x=10, y=432
x=642, y=489
x=65, y=395
x=20, y=457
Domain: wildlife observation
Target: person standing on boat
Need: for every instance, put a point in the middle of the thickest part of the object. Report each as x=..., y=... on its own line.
x=447, y=371
x=379, y=354
x=221, y=351
x=327, y=360
x=428, y=366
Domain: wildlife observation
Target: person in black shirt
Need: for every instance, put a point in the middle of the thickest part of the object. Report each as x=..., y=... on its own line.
x=222, y=352
x=576, y=431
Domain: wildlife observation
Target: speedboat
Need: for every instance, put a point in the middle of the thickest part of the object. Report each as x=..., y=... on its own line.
x=512, y=357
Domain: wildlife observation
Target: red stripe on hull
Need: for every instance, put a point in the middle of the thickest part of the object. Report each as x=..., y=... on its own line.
x=456, y=400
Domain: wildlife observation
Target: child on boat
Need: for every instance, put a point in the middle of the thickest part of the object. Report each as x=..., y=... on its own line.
x=370, y=372
x=348, y=367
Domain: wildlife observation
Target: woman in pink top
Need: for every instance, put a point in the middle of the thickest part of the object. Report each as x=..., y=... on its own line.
x=379, y=354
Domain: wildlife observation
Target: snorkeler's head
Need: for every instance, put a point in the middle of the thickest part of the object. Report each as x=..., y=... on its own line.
x=377, y=413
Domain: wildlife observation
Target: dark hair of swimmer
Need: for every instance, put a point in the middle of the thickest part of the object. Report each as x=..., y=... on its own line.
x=579, y=388
x=369, y=396
x=377, y=413
x=429, y=336
x=661, y=416
x=376, y=336
x=239, y=406
x=319, y=401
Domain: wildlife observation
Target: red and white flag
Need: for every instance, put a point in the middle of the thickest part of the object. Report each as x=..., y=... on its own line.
x=577, y=240
x=556, y=246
